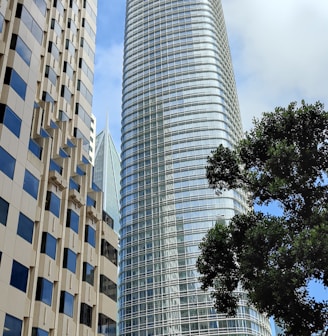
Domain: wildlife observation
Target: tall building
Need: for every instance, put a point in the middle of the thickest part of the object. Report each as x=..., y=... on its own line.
x=107, y=175
x=179, y=103
x=58, y=258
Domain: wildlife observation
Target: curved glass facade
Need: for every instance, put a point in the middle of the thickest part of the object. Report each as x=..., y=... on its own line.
x=179, y=103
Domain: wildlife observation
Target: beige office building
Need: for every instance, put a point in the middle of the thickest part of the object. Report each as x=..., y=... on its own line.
x=58, y=257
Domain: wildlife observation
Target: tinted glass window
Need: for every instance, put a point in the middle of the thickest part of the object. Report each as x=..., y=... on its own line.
x=106, y=326
x=10, y=119
x=108, y=251
x=25, y=227
x=19, y=275
x=86, y=314
x=66, y=303
x=35, y=148
x=13, y=79
x=48, y=245
x=53, y=203
x=41, y=4
x=21, y=48
x=90, y=235
x=4, y=206
x=31, y=184
x=39, y=332
x=12, y=326
x=72, y=220
x=88, y=273
x=69, y=260
x=8, y=162
x=2, y=21
x=51, y=74
x=44, y=291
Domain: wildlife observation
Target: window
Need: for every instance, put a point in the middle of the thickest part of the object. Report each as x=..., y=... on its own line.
x=59, y=6
x=51, y=74
x=10, y=119
x=44, y=291
x=41, y=4
x=83, y=114
x=25, y=227
x=108, y=287
x=48, y=245
x=7, y=163
x=29, y=22
x=39, y=332
x=66, y=93
x=31, y=184
x=66, y=305
x=13, y=79
x=52, y=203
x=21, y=48
x=106, y=326
x=72, y=220
x=84, y=91
x=69, y=261
x=19, y=275
x=72, y=26
x=70, y=47
x=86, y=315
x=90, y=235
x=68, y=69
x=35, y=148
x=4, y=207
x=85, y=68
x=88, y=273
x=2, y=21
x=52, y=48
x=56, y=27
x=108, y=251
x=12, y=327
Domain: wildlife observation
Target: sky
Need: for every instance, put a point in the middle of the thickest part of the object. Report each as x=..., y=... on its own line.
x=279, y=52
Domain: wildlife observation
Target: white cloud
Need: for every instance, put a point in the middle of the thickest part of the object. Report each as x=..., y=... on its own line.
x=107, y=88
x=279, y=52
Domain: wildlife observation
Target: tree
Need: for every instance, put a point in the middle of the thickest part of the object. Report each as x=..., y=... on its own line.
x=282, y=159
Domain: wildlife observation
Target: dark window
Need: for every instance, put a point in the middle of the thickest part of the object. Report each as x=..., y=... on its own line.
x=4, y=207
x=29, y=22
x=69, y=261
x=55, y=166
x=48, y=245
x=108, y=251
x=19, y=275
x=72, y=220
x=46, y=97
x=90, y=235
x=91, y=202
x=86, y=315
x=44, y=291
x=88, y=273
x=66, y=303
x=74, y=185
x=25, y=227
x=31, y=184
x=51, y=74
x=108, y=287
x=21, y=48
x=12, y=327
x=106, y=326
x=9, y=118
x=39, y=332
x=8, y=162
x=53, y=203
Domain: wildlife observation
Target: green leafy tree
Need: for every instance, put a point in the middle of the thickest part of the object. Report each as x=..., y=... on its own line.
x=282, y=159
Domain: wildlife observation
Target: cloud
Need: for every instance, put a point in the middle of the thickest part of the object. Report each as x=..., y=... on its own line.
x=107, y=88
x=279, y=52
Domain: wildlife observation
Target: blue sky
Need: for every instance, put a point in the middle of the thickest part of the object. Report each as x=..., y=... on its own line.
x=279, y=51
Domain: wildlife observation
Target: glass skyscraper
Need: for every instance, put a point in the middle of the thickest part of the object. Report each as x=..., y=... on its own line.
x=179, y=103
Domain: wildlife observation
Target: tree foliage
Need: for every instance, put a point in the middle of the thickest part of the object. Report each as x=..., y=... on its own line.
x=282, y=159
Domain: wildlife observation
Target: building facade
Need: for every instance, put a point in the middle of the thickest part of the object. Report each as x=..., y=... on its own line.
x=58, y=258
x=179, y=103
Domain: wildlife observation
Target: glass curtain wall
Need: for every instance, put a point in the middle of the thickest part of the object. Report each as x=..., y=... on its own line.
x=179, y=103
